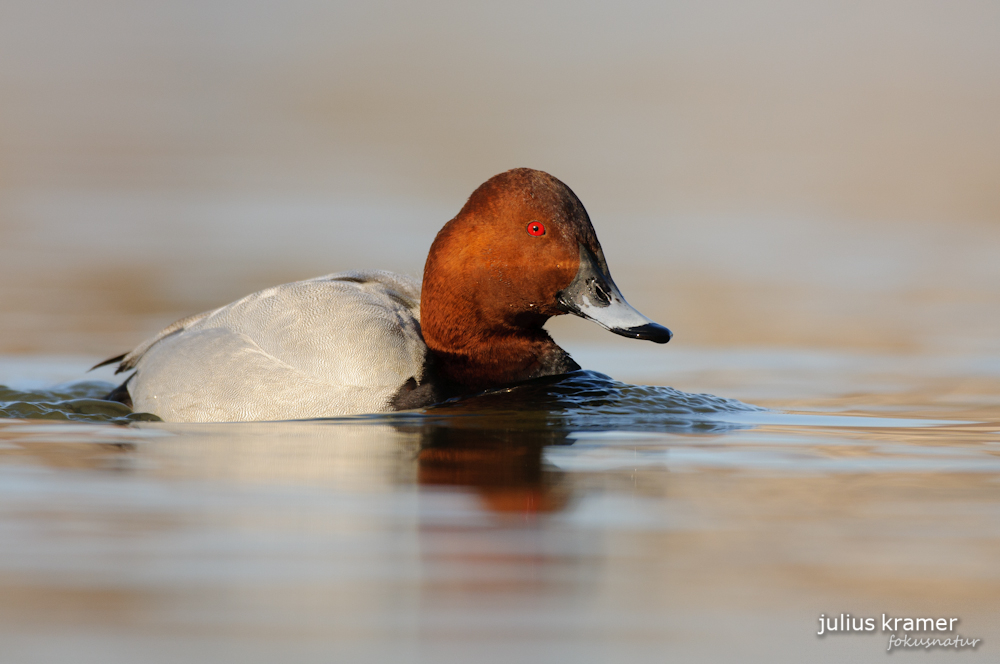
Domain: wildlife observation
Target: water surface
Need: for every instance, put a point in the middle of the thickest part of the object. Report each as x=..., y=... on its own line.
x=586, y=519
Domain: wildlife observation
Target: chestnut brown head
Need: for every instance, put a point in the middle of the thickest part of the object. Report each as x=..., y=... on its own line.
x=521, y=250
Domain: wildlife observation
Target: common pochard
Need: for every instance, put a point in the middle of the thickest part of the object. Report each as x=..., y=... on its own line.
x=521, y=251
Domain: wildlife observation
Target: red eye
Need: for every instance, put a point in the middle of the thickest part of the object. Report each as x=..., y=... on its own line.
x=536, y=228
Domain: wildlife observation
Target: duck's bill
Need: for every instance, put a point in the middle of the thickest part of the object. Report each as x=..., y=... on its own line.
x=593, y=295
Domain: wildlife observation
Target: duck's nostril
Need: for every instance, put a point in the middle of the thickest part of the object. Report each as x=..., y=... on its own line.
x=597, y=289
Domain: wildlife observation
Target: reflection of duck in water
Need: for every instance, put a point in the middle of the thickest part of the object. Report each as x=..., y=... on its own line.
x=504, y=466
x=521, y=251
x=495, y=441
x=500, y=457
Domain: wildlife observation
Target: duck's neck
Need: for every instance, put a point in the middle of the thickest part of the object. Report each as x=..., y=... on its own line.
x=477, y=359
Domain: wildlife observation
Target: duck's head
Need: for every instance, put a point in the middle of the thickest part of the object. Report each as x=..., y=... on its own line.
x=520, y=251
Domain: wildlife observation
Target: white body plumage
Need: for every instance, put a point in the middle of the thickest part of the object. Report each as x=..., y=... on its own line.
x=334, y=345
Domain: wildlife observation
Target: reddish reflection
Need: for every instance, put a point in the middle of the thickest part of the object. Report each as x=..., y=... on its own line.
x=505, y=467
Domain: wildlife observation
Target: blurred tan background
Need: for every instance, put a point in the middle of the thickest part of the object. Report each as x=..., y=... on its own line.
x=760, y=173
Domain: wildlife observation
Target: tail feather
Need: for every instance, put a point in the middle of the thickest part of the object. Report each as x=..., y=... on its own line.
x=107, y=362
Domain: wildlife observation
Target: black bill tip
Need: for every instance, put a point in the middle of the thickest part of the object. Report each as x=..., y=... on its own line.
x=649, y=332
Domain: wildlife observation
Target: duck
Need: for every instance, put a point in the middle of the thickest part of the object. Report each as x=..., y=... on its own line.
x=521, y=250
